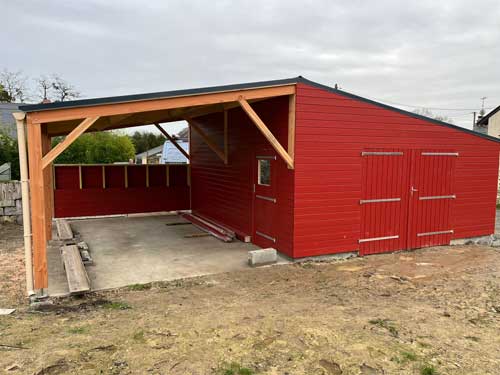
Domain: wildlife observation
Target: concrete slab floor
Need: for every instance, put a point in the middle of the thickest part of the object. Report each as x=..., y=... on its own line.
x=142, y=249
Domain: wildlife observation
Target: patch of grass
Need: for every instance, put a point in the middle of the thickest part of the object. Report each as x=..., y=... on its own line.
x=472, y=338
x=386, y=324
x=78, y=330
x=428, y=370
x=139, y=287
x=139, y=336
x=409, y=356
x=405, y=357
x=117, y=306
x=235, y=369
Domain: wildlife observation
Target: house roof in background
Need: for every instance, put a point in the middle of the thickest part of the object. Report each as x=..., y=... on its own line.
x=484, y=120
x=150, y=152
x=171, y=154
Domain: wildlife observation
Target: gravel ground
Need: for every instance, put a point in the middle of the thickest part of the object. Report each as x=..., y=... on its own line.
x=431, y=311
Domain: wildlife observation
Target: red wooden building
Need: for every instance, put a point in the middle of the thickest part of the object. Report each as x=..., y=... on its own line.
x=291, y=164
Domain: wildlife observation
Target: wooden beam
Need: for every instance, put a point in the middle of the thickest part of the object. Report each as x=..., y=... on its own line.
x=291, y=126
x=37, y=205
x=70, y=138
x=266, y=132
x=100, y=110
x=174, y=142
x=226, y=139
x=47, y=186
x=103, y=177
x=80, y=178
x=197, y=127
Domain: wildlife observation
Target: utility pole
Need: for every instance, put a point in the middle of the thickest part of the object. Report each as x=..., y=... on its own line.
x=482, y=106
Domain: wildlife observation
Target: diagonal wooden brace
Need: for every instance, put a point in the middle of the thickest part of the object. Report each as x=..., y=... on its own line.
x=71, y=137
x=266, y=132
x=174, y=142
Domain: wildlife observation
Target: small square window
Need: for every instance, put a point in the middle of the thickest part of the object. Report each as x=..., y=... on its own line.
x=264, y=172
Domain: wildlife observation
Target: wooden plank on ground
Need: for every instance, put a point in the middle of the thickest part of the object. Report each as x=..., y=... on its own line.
x=78, y=280
x=64, y=231
x=208, y=227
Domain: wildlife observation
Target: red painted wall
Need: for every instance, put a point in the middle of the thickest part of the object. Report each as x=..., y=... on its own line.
x=332, y=130
x=93, y=199
x=224, y=193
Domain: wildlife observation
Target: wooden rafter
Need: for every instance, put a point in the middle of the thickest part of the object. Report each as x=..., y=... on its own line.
x=266, y=132
x=71, y=137
x=197, y=127
x=64, y=114
x=174, y=142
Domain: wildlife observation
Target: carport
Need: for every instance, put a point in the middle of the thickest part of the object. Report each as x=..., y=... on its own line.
x=197, y=107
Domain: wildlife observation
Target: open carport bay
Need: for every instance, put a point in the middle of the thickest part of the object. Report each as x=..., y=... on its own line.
x=141, y=249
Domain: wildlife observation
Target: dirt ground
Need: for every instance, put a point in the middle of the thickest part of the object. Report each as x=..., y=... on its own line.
x=431, y=311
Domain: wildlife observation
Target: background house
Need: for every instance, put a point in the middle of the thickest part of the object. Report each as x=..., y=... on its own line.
x=166, y=153
x=490, y=125
x=7, y=122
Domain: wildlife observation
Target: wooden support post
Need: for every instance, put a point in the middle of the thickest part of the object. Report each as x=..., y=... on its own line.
x=70, y=138
x=226, y=138
x=173, y=141
x=126, y=177
x=47, y=186
x=197, y=127
x=188, y=172
x=168, y=175
x=37, y=205
x=266, y=132
x=104, y=177
x=80, y=179
x=54, y=177
x=291, y=126
x=147, y=175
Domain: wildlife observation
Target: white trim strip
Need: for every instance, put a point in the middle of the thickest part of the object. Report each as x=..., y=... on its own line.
x=434, y=233
x=377, y=239
x=440, y=153
x=265, y=236
x=266, y=198
x=363, y=201
x=374, y=153
x=437, y=197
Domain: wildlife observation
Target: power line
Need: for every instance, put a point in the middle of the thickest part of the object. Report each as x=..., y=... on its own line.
x=430, y=108
x=423, y=107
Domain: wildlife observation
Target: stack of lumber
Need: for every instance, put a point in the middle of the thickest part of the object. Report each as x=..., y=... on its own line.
x=78, y=280
x=71, y=255
x=210, y=227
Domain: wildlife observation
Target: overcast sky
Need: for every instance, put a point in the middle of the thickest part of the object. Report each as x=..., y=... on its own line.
x=436, y=54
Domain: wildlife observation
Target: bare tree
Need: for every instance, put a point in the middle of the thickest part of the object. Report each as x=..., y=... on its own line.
x=14, y=84
x=428, y=113
x=63, y=90
x=44, y=85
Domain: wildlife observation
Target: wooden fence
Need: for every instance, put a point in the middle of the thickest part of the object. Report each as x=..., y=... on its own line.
x=107, y=189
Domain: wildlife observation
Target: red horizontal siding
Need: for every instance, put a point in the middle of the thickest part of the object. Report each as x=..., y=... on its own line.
x=93, y=200
x=331, y=132
x=224, y=192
